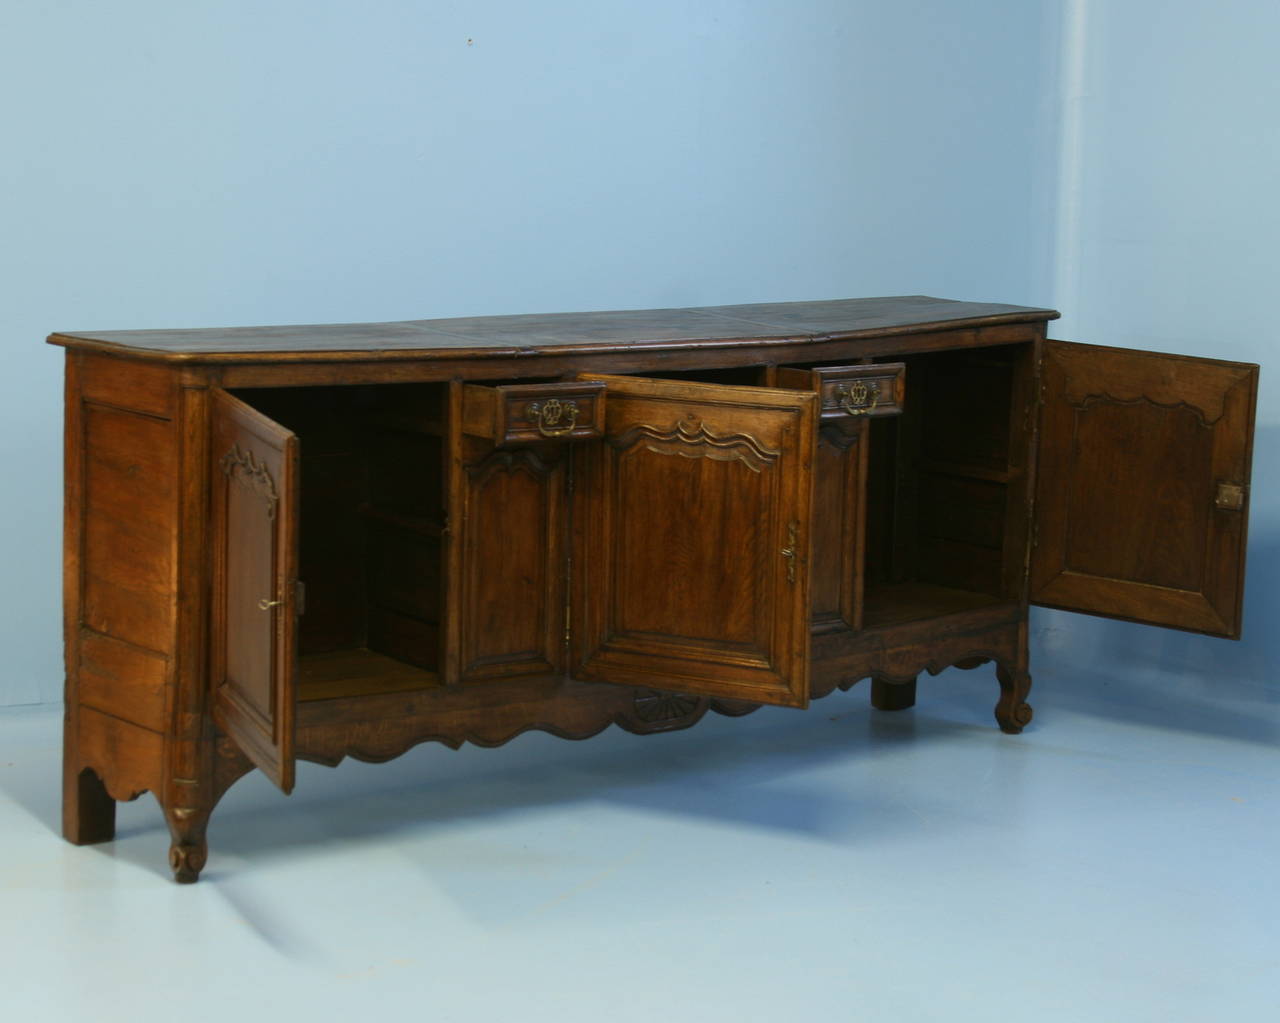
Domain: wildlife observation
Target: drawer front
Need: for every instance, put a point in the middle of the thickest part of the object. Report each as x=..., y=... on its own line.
x=534, y=413
x=851, y=391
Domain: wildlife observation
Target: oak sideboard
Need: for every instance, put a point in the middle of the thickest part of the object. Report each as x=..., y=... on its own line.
x=337, y=541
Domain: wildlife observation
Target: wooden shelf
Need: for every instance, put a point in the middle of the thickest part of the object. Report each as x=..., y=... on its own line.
x=968, y=470
x=412, y=523
x=358, y=672
x=912, y=602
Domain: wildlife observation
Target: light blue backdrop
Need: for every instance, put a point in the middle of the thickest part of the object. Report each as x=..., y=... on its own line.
x=1168, y=207
x=202, y=164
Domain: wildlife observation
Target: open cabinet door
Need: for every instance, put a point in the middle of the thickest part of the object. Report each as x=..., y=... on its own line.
x=691, y=540
x=254, y=484
x=1143, y=486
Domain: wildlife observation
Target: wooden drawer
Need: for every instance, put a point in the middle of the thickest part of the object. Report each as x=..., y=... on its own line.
x=871, y=390
x=534, y=413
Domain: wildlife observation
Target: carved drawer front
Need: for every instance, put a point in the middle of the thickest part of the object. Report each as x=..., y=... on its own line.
x=850, y=392
x=534, y=413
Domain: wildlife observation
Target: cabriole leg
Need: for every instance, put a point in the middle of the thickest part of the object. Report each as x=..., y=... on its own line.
x=1013, y=712
x=189, y=849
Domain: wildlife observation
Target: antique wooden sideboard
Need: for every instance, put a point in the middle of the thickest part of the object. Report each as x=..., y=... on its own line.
x=328, y=541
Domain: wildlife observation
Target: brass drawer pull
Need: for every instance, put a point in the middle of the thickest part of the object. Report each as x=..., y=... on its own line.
x=548, y=414
x=853, y=397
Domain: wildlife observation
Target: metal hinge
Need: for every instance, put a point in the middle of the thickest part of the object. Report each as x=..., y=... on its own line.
x=300, y=598
x=1230, y=496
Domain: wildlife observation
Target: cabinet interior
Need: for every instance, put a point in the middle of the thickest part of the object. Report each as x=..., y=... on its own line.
x=943, y=510
x=946, y=487
x=370, y=527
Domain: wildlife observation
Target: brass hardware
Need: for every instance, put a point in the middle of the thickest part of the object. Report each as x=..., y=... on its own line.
x=1230, y=496
x=267, y=605
x=547, y=416
x=853, y=397
x=791, y=550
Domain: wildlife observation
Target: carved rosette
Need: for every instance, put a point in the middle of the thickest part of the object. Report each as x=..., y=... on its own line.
x=653, y=706
x=242, y=467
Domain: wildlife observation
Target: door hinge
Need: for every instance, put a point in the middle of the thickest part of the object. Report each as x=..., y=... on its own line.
x=1230, y=496
x=299, y=598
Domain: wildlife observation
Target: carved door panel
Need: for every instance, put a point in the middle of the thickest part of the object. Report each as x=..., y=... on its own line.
x=510, y=560
x=1143, y=474
x=253, y=639
x=839, y=530
x=692, y=541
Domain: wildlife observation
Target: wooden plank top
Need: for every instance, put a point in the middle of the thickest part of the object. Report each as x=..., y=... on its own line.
x=556, y=333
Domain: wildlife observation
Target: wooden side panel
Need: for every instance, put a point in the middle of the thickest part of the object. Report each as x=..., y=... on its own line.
x=255, y=552
x=119, y=572
x=128, y=757
x=1144, y=469
x=130, y=384
x=123, y=680
x=512, y=526
x=128, y=543
x=692, y=541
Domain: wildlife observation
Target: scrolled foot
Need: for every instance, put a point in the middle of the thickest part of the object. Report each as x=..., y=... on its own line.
x=188, y=849
x=187, y=861
x=1013, y=713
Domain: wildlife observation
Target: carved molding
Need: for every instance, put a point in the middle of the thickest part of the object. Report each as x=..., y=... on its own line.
x=479, y=473
x=119, y=788
x=1105, y=398
x=839, y=437
x=901, y=671
x=691, y=438
x=244, y=468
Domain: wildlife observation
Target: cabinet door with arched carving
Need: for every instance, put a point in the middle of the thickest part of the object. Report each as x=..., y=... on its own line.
x=691, y=521
x=1143, y=487
x=254, y=484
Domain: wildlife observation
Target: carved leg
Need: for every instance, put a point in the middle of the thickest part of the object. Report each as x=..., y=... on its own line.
x=1013, y=712
x=189, y=850
x=88, y=812
x=887, y=694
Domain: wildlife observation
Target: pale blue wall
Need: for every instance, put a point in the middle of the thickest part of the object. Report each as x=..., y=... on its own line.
x=1166, y=240
x=216, y=163
x=206, y=163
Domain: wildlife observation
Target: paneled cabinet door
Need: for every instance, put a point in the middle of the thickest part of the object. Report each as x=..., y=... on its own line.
x=690, y=560
x=1143, y=486
x=255, y=554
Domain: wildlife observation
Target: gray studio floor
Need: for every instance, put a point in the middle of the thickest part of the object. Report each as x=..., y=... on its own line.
x=1115, y=862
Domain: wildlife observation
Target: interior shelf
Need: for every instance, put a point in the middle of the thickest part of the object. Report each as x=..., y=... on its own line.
x=912, y=602
x=358, y=672
x=966, y=470
x=420, y=524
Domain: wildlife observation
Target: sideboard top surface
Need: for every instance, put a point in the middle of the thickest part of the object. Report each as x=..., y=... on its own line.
x=556, y=333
